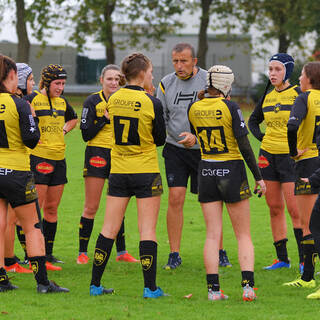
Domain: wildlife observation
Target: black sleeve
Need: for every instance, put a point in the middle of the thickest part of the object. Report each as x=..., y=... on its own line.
x=248, y=155
x=239, y=127
x=70, y=113
x=90, y=124
x=159, y=128
x=29, y=97
x=297, y=114
x=255, y=119
x=28, y=125
x=192, y=129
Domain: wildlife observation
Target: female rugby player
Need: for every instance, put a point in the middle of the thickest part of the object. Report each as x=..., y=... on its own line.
x=19, y=130
x=138, y=128
x=302, y=131
x=25, y=87
x=277, y=168
x=96, y=130
x=221, y=132
x=56, y=119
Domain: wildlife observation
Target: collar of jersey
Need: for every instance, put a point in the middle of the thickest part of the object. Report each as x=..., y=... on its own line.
x=134, y=87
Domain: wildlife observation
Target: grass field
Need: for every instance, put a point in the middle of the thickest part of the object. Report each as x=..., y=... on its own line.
x=274, y=301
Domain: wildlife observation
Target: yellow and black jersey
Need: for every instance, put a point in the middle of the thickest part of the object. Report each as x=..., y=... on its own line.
x=137, y=127
x=304, y=118
x=51, y=121
x=95, y=127
x=275, y=111
x=18, y=130
x=217, y=123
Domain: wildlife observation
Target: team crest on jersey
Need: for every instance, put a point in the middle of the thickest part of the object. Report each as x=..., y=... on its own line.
x=99, y=257
x=97, y=162
x=277, y=108
x=146, y=262
x=44, y=167
x=54, y=113
x=263, y=162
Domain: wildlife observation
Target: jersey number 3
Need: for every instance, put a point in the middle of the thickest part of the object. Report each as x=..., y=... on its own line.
x=126, y=131
x=212, y=140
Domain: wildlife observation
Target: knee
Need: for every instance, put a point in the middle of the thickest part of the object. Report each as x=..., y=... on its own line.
x=176, y=201
x=50, y=210
x=276, y=209
x=90, y=211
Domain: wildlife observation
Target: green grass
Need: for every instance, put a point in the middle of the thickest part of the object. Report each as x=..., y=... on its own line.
x=274, y=301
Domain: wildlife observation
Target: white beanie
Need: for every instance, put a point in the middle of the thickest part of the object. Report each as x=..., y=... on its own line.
x=24, y=72
x=221, y=78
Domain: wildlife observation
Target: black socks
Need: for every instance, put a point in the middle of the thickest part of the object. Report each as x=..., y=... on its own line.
x=101, y=257
x=148, y=259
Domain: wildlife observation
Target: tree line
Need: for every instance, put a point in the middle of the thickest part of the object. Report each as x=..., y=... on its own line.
x=146, y=22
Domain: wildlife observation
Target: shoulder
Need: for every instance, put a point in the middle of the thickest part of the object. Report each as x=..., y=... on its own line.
x=31, y=96
x=168, y=80
x=93, y=99
x=20, y=103
x=303, y=97
x=156, y=102
x=297, y=89
x=231, y=104
x=202, y=74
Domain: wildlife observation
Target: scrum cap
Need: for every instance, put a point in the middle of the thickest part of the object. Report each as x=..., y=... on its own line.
x=24, y=72
x=221, y=78
x=52, y=72
x=287, y=62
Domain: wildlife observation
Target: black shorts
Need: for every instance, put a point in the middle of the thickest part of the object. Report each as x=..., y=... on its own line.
x=48, y=172
x=277, y=167
x=97, y=162
x=17, y=187
x=181, y=163
x=305, y=168
x=141, y=185
x=223, y=181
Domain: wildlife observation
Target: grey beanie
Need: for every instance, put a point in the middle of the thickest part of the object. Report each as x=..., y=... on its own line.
x=24, y=72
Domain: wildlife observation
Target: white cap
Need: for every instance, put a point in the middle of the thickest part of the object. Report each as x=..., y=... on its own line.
x=221, y=78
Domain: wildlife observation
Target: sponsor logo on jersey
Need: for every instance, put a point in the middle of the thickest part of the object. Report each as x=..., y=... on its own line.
x=97, y=162
x=51, y=129
x=146, y=262
x=263, y=162
x=215, y=114
x=44, y=167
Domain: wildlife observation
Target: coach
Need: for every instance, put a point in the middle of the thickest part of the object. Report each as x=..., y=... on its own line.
x=176, y=91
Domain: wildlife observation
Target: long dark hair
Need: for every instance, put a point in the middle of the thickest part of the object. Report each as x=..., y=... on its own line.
x=6, y=65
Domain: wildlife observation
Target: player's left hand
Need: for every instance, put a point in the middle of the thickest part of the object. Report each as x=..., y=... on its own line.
x=189, y=139
x=305, y=180
x=260, y=188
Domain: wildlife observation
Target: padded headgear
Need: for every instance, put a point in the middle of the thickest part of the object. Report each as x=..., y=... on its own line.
x=287, y=62
x=221, y=78
x=52, y=72
x=24, y=72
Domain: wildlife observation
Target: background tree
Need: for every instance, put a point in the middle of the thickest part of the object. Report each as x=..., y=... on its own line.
x=148, y=19
x=37, y=19
x=284, y=20
x=221, y=13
